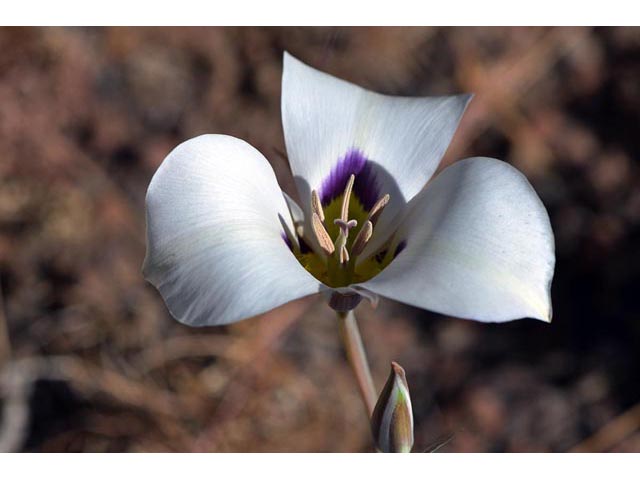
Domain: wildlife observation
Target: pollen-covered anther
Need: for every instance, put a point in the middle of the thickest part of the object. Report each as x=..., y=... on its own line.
x=316, y=205
x=344, y=212
x=363, y=237
x=324, y=240
x=377, y=208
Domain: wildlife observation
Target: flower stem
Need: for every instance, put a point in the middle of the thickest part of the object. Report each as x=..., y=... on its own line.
x=357, y=358
x=5, y=342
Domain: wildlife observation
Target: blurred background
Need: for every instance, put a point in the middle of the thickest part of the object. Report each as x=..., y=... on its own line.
x=90, y=359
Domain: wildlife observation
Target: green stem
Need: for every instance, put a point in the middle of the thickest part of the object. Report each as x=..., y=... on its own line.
x=357, y=358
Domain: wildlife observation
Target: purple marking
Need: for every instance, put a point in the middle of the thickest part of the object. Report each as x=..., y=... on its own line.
x=365, y=187
x=304, y=248
x=287, y=240
x=380, y=255
x=401, y=246
x=383, y=253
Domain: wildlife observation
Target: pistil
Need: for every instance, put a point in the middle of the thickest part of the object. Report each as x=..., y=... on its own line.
x=343, y=236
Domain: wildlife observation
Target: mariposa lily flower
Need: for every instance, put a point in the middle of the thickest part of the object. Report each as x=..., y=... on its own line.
x=225, y=243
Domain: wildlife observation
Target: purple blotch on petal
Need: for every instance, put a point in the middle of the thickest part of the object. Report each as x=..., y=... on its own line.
x=380, y=256
x=304, y=247
x=401, y=246
x=365, y=186
x=287, y=240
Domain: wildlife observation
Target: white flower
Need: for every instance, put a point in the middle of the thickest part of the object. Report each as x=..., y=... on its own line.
x=225, y=243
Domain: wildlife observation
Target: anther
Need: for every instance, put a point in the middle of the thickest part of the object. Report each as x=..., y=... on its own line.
x=363, y=237
x=346, y=197
x=378, y=207
x=321, y=234
x=316, y=205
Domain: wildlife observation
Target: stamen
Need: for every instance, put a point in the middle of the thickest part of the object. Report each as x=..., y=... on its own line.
x=376, y=210
x=363, y=237
x=321, y=235
x=316, y=205
x=346, y=197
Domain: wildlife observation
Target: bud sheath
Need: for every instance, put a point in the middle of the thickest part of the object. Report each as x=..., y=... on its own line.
x=392, y=419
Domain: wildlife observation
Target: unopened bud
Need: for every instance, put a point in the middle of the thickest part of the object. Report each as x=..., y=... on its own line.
x=392, y=419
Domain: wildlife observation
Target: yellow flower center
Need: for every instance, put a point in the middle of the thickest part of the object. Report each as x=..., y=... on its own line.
x=342, y=229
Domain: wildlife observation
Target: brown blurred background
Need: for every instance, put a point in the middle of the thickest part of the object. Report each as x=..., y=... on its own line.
x=90, y=359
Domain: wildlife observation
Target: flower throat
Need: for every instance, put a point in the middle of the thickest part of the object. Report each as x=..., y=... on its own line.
x=342, y=229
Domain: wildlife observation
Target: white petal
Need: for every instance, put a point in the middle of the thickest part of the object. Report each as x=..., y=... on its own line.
x=297, y=216
x=325, y=117
x=215, y=220
x=479, y=246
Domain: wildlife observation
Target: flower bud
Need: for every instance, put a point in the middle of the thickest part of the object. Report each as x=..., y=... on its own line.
x=392, y=419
